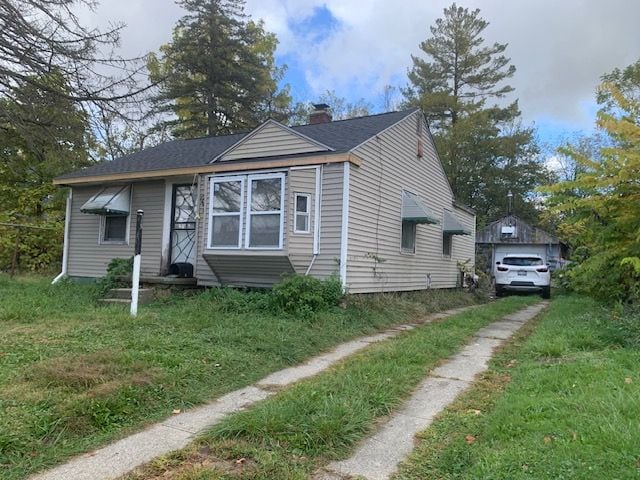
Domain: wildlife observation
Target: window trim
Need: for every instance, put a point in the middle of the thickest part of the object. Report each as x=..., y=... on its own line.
x=450, y=241
x=239, y=214
x=403, y=250
x=103, y=227
x=127, y=232
x=296, y=213
x=445, y=235
x=249, y=213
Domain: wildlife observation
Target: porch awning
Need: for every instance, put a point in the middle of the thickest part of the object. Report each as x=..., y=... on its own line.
x=452, y=225
x=109, y=201
x=415, y=210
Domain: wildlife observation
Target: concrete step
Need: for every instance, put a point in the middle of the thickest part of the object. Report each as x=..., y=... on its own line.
x=144, y=294
x=114, y=301
x=166, y=280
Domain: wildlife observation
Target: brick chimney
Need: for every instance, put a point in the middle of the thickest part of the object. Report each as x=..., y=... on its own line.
x=320, y=114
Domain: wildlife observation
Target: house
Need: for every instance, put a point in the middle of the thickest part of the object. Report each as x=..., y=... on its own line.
x=511, y=234
x=365, y=199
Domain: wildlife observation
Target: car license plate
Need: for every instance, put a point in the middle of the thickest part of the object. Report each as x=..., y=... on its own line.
x=522, y=273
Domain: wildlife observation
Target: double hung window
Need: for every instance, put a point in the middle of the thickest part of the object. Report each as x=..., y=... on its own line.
x=256, y=199
x=265, y=211
x=225, y=206
x=408, y=237
x=301, y=220
x=447, y=241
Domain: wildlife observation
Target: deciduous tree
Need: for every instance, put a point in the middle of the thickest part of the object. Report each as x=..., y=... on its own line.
x=599, y=207
x=53, y=141
x=38, y=38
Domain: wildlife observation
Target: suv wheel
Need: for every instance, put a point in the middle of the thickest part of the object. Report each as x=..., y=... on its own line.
x=546, y=292
x=499, y=291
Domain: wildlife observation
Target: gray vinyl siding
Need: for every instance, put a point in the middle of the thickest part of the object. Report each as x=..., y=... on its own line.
x=327, y=261
x=88, y=258
x=390, y=166
x=271, y=140
x=301, y=244
x=203, y=272
x=249, y=270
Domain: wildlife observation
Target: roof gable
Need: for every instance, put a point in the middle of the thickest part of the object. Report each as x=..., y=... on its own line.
x=524, y=232
x=272, y=139
x=337, y=136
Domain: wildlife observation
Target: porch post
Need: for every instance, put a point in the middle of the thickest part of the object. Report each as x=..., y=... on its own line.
x=135, y=277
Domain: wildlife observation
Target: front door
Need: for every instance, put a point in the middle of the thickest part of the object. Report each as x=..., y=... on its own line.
x=183, y=224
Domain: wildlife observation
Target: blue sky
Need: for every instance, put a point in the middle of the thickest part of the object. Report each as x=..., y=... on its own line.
x=355, y=47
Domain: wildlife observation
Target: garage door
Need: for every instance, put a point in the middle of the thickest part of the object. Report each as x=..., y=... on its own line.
x=502, y=250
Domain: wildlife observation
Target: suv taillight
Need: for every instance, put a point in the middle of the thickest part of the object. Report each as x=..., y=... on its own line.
x=503, y=269
x=542, y=269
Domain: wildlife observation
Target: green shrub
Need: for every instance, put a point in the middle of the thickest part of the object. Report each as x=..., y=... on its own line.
x=604, y=278
x=117, y=267
x=234, y=301
x=304, y=295
x=120, y=266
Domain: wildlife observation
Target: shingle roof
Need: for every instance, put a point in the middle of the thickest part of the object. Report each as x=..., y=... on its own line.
x=341, y=135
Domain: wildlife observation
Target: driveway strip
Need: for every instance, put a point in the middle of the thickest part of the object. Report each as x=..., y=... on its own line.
x=176, y=432
x=378, y=456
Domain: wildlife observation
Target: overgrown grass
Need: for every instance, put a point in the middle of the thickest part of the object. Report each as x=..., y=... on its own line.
x=562, y=403
x=74, y=375
x=291, y=434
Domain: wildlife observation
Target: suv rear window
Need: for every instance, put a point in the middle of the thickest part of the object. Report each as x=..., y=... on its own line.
x=522, y=261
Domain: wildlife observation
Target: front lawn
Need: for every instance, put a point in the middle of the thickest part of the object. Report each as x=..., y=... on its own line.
x=74, y=375
x=293, y=433
x=563, y=403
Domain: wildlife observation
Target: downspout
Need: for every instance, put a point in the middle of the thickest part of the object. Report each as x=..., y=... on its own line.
x=316, y=221
x=65, y=246
x=344, y=239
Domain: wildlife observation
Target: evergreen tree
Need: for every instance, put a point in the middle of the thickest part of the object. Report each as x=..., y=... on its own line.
x=485, y=149
x=218, y=75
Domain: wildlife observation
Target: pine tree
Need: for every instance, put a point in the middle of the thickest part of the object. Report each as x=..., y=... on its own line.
x=484, y=147
x=218, y=75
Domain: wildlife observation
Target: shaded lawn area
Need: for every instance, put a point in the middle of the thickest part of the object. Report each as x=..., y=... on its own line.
x=74, y=375
x=562, y=403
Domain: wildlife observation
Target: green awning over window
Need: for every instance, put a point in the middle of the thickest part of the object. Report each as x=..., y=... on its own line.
x=453, y=226
x=109, y=201
x=415, y=210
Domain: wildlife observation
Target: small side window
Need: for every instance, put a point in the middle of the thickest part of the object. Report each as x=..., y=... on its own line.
x=114, y=229
x=447, y=240
x=408, y=237
x=301, y=221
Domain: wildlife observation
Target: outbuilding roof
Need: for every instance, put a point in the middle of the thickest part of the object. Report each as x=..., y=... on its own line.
x=341, y=136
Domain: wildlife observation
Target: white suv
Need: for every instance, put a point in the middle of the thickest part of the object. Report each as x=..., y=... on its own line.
x=522, y=273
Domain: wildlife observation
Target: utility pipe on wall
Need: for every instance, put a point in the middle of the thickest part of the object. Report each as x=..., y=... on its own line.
x=65, y=245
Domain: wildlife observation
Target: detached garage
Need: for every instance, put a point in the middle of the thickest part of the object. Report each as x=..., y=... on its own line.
x=510, y=235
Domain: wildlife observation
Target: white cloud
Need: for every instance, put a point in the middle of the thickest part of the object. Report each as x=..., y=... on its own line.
x=560, y=49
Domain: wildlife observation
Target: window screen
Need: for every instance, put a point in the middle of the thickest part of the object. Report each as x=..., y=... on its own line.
x=115, y=228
